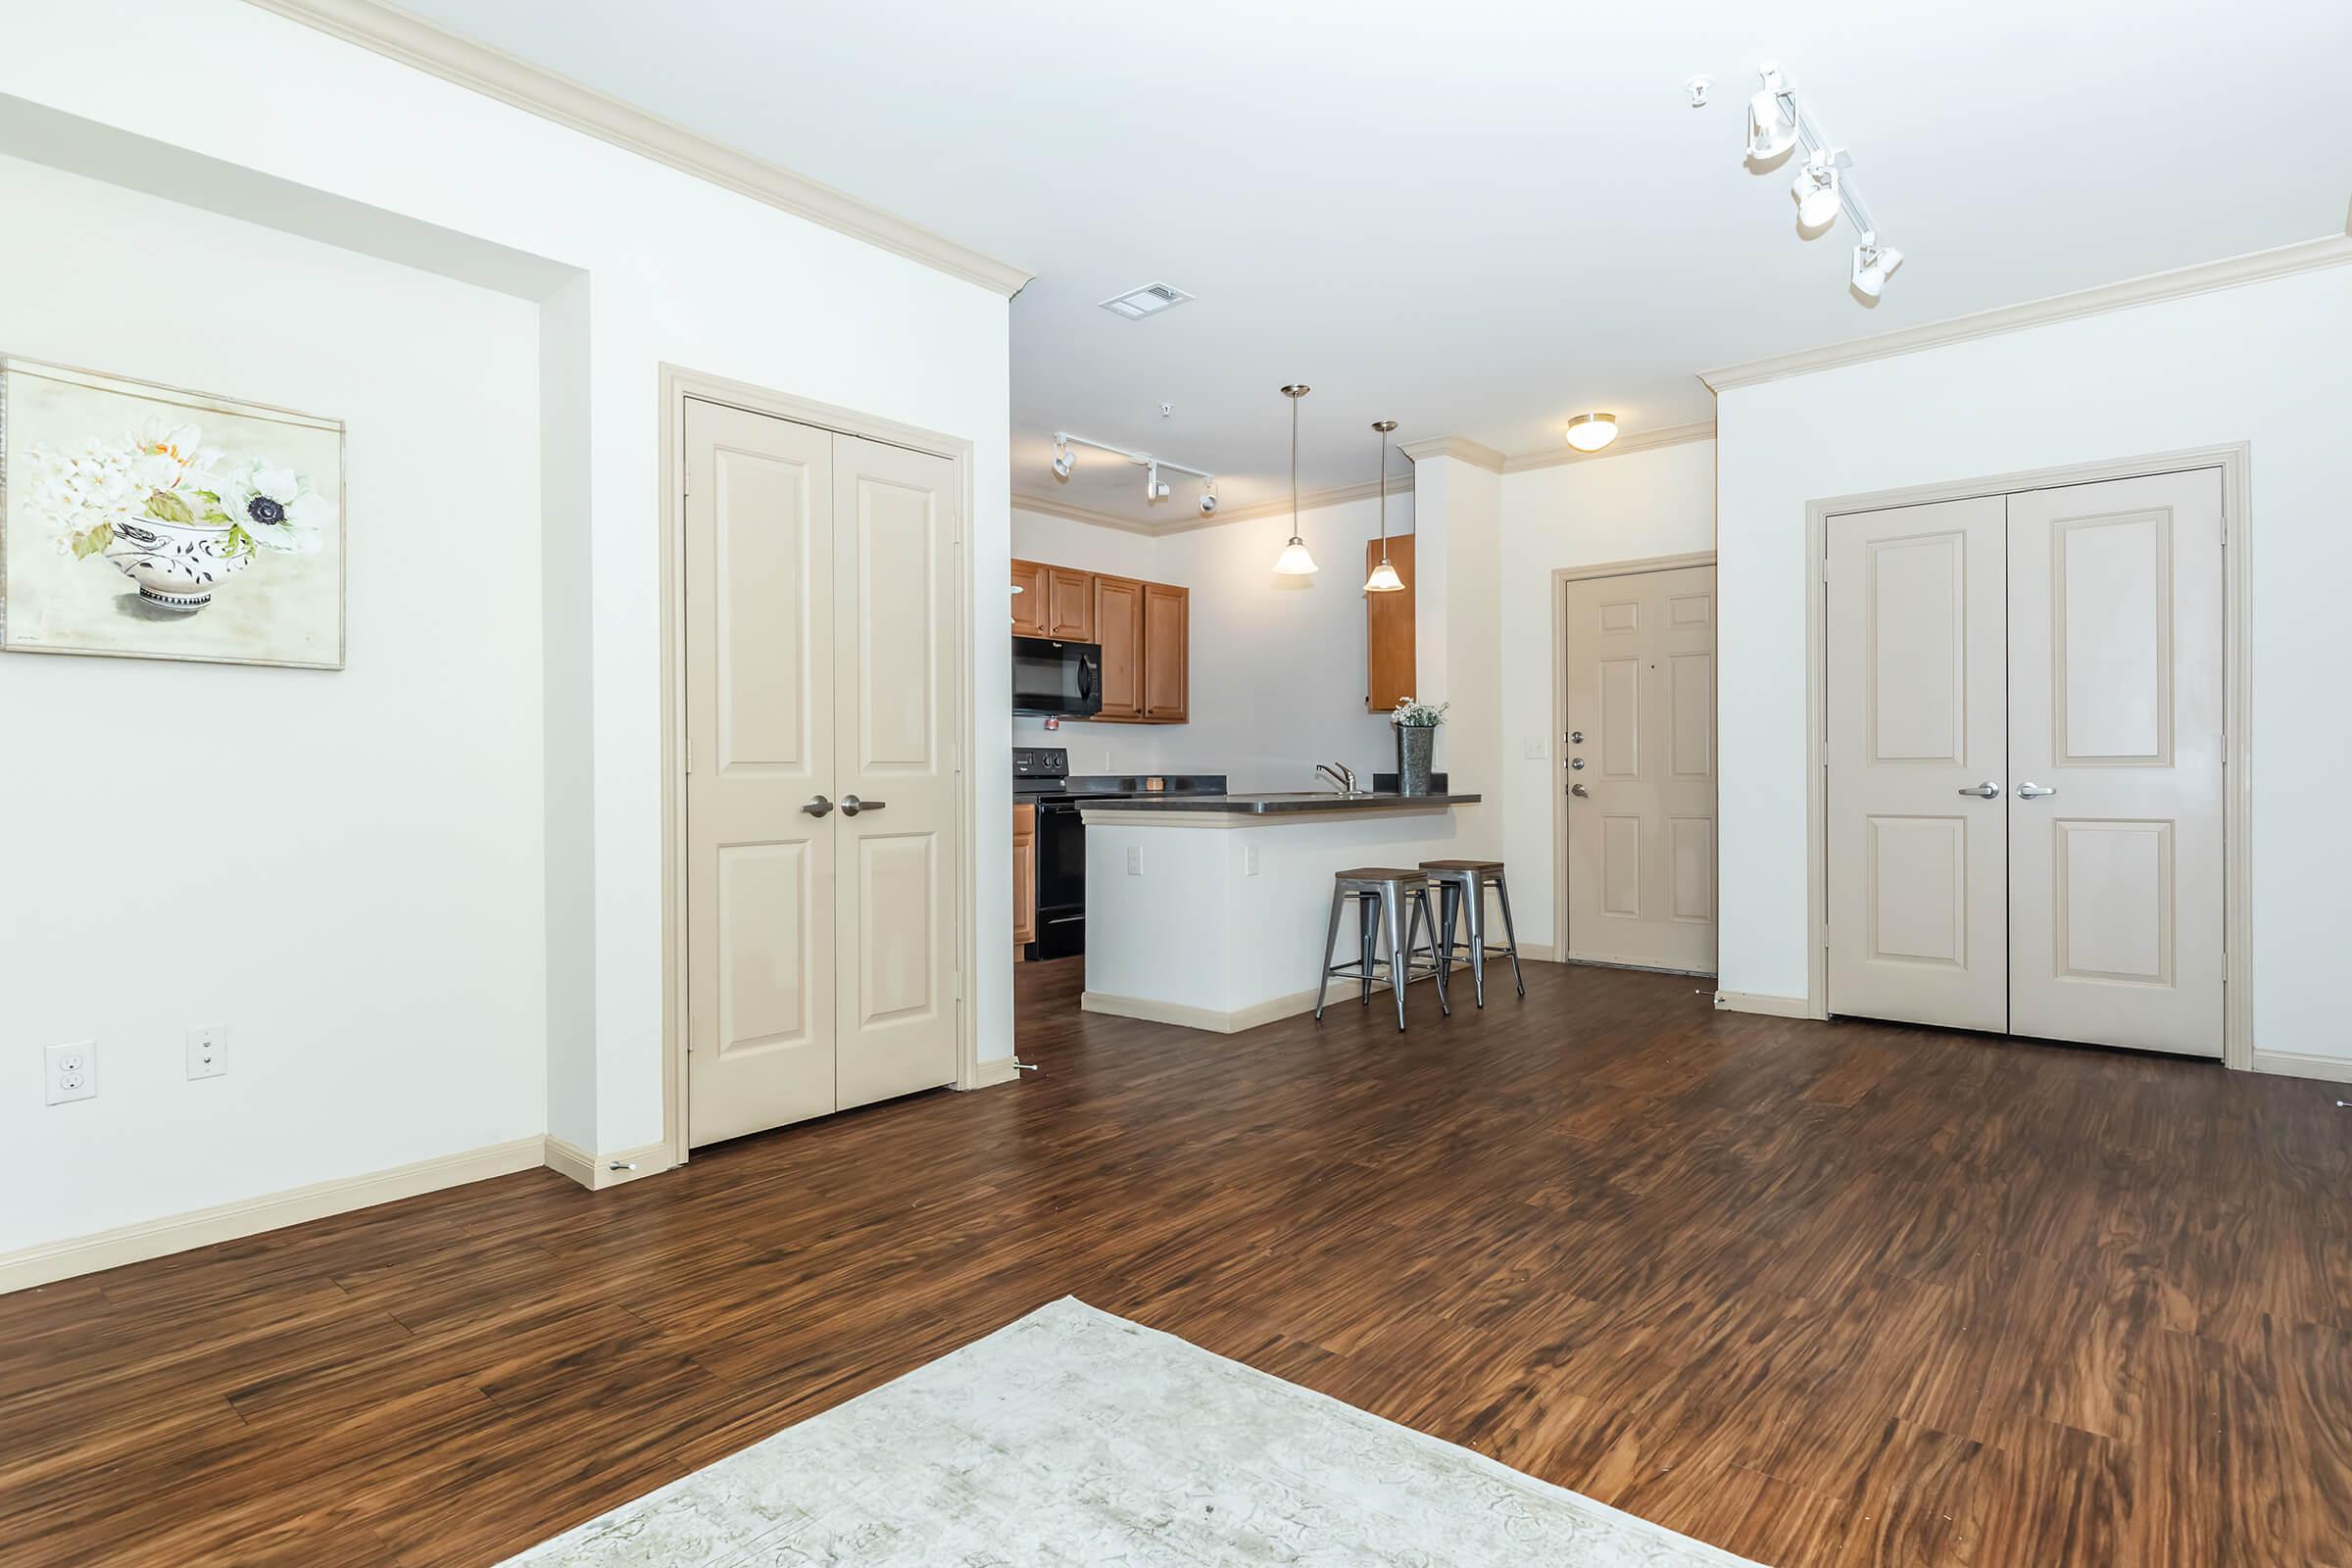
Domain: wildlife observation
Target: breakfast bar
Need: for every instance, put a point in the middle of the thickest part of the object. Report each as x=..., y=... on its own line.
x=1209, y=910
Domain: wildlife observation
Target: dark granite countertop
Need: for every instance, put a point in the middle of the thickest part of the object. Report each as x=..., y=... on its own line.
x=1297, y=803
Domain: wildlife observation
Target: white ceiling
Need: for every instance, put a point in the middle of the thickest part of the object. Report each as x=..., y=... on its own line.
x=1481, y=218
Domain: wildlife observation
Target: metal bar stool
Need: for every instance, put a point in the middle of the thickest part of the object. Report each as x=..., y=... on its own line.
x=1458, y=884
x=1399, y=901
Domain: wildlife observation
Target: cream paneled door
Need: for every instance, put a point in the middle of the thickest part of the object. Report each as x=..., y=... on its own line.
x=1917, y=737
x=1642, y=804
x=896, y=537
x=2116, y=836
x=760, y=734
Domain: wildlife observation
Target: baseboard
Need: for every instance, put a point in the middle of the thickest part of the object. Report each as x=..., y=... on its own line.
x=997, y=1070
x=596, y=1172
x=226, y=1222
x=1211, y=1019
x=2295, y=1064
x=1758, y=1001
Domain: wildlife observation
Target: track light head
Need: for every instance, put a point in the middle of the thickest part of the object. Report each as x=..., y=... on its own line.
x=1874, y=264
x=1154, y=487
x=1208, y=498
x=1062, y=462
x=1771, y=116
x=1818, y=192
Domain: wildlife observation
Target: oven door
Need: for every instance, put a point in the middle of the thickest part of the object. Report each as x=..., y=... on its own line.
x=1059, y=679
x=1061, y=879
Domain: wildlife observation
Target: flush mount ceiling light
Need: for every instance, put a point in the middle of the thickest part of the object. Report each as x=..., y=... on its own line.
x=1294, y=561
x=1384, y=578
x=1154, y=487
x=1150, y=299
x=1590, y=432
x=1874, y=264
x=1778, y=121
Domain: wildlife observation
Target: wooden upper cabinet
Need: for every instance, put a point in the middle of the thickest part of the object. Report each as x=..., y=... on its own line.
x=1029, y=605
x=1069, y=604
x=1119, y=628
x=1167, y=653
x=1389, y=631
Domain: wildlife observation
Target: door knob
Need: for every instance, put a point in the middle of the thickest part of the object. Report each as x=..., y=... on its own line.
x=2031, y=791
x=1579, y=792
x=851, y=806
x=1577, y=763
x=1576, y=737
x=820, y=807
x=1984, y=791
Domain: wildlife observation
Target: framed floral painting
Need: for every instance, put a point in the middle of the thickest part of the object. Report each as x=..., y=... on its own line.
x=142, y=521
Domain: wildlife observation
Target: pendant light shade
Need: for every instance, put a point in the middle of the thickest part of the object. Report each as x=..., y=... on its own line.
x=1384, y=578
x=1294, y=561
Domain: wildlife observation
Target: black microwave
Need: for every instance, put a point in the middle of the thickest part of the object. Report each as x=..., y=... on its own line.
x=1059, y=679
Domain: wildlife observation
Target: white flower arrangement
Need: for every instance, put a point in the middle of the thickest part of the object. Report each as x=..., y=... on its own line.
x=1414, y=714
x=164, y=473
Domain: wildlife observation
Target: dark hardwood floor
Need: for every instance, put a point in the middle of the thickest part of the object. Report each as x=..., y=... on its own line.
x=1820, y=1293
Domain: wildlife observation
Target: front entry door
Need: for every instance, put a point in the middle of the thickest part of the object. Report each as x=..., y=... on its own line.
x=2115, y=750
x=1918, y=764
x=1641, y=805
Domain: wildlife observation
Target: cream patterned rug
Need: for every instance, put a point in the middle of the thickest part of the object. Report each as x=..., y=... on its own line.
x=1073, y=1437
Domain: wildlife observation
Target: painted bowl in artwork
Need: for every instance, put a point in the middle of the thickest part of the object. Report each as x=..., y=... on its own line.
x=176, y=564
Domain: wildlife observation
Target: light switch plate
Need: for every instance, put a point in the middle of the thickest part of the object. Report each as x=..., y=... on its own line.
x=71, y=1071
x=1135, y=860
x=208, y=1050
x=1249, y=859
x=1536, y=746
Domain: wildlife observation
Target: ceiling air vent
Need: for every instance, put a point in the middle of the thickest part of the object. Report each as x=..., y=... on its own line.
x=1150, y=299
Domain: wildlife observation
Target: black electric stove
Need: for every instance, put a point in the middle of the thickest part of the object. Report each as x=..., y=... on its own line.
x=1042, y=774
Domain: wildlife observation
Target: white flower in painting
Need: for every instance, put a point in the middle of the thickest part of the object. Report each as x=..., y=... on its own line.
x=171, y=457
x=277, y=508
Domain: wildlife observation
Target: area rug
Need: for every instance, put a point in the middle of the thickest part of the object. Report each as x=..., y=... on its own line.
x=1073, y=1437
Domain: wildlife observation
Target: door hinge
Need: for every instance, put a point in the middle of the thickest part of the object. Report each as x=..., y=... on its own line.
x=689, y=754
x=1824, y=571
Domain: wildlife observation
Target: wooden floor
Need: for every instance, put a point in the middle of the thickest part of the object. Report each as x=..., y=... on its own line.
x=1819, y=1294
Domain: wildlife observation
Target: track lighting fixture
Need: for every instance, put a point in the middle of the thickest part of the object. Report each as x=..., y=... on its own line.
x=1590, y=432
x=1816, y=189
x=1294, y=561
x=1874, y=264
x=1155, y=488
x=1208, y=498
x=1771, y=116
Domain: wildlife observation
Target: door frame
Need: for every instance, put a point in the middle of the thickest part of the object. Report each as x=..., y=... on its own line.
x=2234, y=461
x=1561, y=578
x=679, y=384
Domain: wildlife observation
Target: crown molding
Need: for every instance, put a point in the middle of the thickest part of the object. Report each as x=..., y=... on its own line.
x=1673, y=435
x=1055, y=507
x=2332, y=250
x=1461, y=447
x=413, y=41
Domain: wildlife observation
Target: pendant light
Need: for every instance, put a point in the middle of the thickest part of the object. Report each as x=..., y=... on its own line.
x=1294, y=561
x=1384, y=578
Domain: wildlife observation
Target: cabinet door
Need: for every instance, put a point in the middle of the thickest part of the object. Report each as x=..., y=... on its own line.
x=1119, y=628
x=1167, y=653
x=1389, y=631
x=1029, y=601
x=1025, y=875
x=1069, y=605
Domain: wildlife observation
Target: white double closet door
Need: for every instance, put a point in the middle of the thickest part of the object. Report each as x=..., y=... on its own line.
x=821, y=672
x=2024, y=764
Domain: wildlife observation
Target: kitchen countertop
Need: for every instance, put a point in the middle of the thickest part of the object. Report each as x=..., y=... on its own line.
x=1296, y=803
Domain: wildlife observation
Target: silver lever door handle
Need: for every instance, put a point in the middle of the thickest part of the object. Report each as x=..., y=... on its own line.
x=820, y=807
x=2031, y=791
x=1580, y=791
x=1984, y=791
x=851, y=806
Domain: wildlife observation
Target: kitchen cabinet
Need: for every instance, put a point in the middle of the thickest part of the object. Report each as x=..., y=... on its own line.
x=1167, y=653
x=1029, y=605
x=1389, y=631
x=1024, y=874
x=1069, y=605
x=1119, y=629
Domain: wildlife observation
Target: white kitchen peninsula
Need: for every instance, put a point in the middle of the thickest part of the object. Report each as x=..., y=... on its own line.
x=1210, y=910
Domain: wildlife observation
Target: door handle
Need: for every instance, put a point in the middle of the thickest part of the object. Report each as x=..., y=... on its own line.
x=1984, y=791
x=820, y=807
x=1579, y=792
x=2031, y=791
x=851, y=806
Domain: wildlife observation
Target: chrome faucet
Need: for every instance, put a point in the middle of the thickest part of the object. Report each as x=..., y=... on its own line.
x=1339, y=773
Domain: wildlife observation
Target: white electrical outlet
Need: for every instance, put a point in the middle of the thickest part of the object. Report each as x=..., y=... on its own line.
x=72, y=1071
x=1249, y=859
x=1135, y=860
x=208, y=1050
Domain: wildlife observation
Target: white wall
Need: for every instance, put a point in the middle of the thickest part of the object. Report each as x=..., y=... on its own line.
x=1277, y=663
x=347, y=869
x=676, y=271
x=2267, y=363
x=1659, y=502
